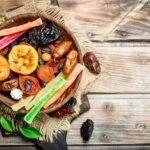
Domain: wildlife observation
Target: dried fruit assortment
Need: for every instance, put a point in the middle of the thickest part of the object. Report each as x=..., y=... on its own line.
x=37, y=65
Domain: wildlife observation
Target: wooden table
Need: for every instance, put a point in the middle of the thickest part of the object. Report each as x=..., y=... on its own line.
x=120, y=98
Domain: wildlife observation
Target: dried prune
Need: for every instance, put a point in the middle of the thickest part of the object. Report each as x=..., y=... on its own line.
x=43, y=84
x=71, y=103
x=92, y=63
x=87, y=129
x=41, y=35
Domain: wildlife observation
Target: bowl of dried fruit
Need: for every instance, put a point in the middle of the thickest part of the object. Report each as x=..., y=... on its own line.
x=40, y=64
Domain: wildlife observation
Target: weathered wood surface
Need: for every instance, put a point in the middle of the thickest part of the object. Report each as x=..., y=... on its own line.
x=108, y=148
x=124, y=70
x=134, y=27
x=118, y=118
x=100, y=18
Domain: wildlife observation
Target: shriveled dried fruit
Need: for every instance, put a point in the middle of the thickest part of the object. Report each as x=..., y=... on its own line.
x=23, y=59
x=10, y=84
x=71, y=61
x=62, y=49
x=4, y=68
x=31, y=89
x=46, y=56
x=92, y=63
x=71, y=103
x=41, y=35
x=45, y=73
x=87, y=129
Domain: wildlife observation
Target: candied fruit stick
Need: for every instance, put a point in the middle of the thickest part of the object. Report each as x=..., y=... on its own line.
x=62, y=49
x=43, y=91
x=22, y=27
x=37, y=107
x=24, y=101
x=70, y=79
x=9, y=39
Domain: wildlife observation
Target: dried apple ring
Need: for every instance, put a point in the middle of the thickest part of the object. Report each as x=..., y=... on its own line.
x=23, y=59
x=4, y=68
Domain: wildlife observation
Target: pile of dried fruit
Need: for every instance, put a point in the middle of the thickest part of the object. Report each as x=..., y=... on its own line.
x=36, y=65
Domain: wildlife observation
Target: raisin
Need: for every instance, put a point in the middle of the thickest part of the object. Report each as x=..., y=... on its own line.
x=60, y=67
x=46, y=50
x=71, y=103
x=40, y=61
x=87, y=129
x=43, y=84
x=27, y=85
x=92, y=63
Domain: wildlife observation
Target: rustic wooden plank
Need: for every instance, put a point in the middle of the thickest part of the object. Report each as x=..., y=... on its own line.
x=14, y=140
x=124, y=70
x=18, y=148
x=118, y=118
x=98, y=17
x=83, y=148
x=135, y=26
x=108, y=147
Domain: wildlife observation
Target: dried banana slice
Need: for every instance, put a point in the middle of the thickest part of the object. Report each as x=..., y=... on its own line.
x=23, y=59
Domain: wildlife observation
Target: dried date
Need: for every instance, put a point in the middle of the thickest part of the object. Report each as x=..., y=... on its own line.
x=10, y=84
x=87, y=129
x=92, y=63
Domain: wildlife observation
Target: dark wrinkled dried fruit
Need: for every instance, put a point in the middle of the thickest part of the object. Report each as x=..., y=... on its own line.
x=41, y=35
x=40, y=61
x=43, y=84
x=92, y=63
x=10, y=84
x=46, y=50
x=87, y=129
x=27, y=85
x=71, y=103
x=60, y=67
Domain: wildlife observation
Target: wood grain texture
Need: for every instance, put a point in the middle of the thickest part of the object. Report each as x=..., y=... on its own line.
x=136, y=26
x=118, y=119
x=108, y=147
x=99, y=17
x=124, y=70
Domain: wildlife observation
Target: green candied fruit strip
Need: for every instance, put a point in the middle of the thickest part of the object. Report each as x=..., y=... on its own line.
x=37, y=107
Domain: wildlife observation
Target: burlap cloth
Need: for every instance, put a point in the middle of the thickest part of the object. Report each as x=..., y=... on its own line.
x=49, y=126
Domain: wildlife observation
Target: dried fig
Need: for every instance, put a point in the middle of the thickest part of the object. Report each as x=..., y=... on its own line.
x=92, y=63
x=10, y=84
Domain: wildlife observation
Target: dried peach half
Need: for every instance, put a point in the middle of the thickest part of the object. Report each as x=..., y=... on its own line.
x=23, y=59
x=4, y=68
